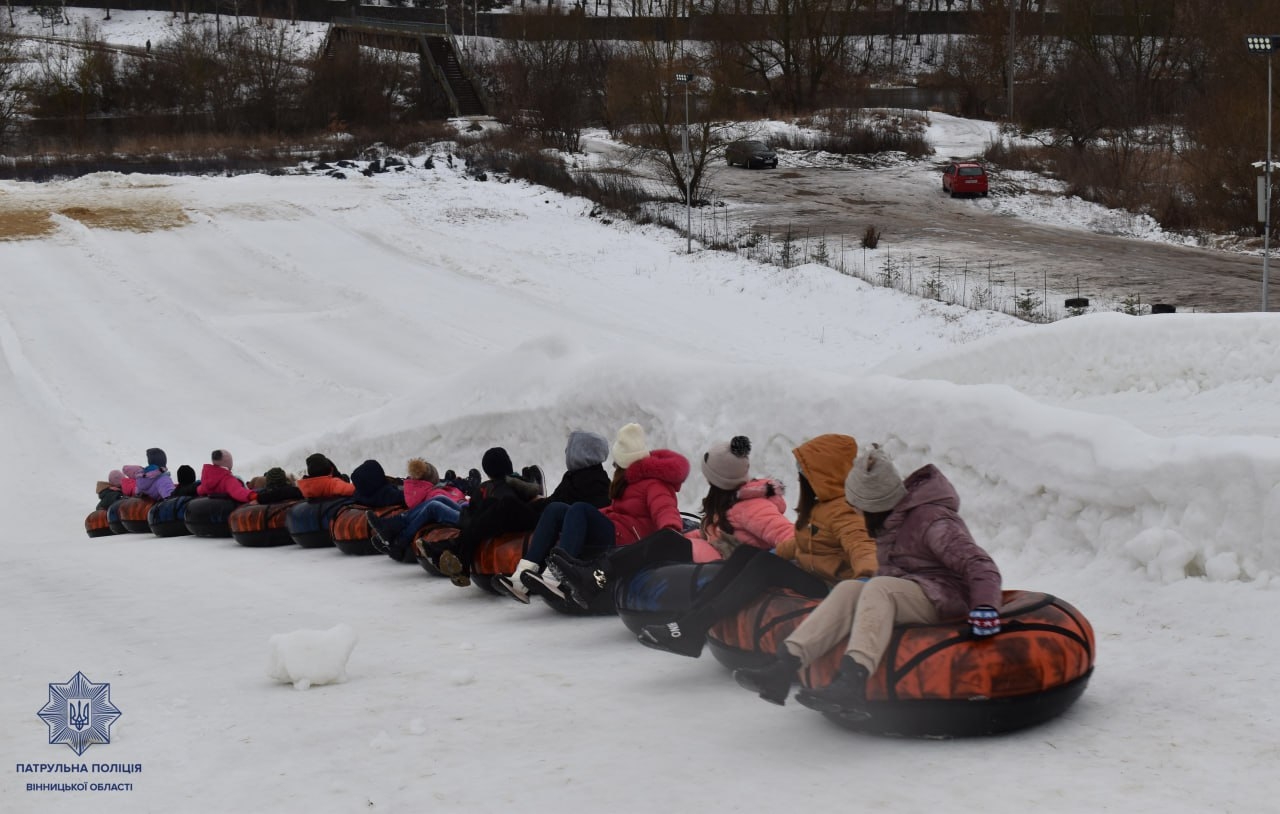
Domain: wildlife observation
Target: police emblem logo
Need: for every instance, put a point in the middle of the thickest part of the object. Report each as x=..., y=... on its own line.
x=79, y=713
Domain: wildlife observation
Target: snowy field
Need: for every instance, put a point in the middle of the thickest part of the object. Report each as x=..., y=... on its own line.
x=1128, y=465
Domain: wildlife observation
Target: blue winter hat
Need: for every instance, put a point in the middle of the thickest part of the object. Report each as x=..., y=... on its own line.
x=585, y=449
x=156, y=457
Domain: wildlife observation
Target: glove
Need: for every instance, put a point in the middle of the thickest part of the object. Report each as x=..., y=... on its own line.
x=984, y=620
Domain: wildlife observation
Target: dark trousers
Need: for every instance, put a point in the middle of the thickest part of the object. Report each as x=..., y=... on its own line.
x=747, y=573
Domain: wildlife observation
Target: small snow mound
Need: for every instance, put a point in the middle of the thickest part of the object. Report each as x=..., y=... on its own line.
x=311, y=657
x=460, y=678
x=417, y=726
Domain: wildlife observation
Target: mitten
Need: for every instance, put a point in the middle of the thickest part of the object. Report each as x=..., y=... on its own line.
x=984, y=620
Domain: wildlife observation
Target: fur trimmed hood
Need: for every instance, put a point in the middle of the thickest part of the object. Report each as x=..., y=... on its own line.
x=661, y=464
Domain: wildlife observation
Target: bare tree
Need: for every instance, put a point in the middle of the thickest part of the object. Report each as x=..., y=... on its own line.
x=10, y=89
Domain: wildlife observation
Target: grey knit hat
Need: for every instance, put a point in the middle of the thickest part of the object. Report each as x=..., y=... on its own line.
x=727, y=464
x=874, y=485
x=585, y=449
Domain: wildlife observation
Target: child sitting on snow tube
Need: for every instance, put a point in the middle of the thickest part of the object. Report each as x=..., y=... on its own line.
x=216, y=479
x=930, y=569
x=187, y=483
x=277, y=487
x=643, y=495
x=429, y=501
x=154, y=482
x=736, y=512
x=323, y=479
x=109, y=490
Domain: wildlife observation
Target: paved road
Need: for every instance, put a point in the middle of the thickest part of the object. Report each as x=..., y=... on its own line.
x=917, y=218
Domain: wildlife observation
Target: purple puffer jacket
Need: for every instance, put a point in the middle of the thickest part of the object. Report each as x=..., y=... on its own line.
x=155, y=484
x=924, y=540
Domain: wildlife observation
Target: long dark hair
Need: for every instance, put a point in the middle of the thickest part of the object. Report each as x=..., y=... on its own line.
x=619, y=483
x=715, y=508
x=875, y=521
x=805, y=503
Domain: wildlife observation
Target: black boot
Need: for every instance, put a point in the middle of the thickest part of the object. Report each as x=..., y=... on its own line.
x=846, y=694
x=583, y=580
x=772, y=683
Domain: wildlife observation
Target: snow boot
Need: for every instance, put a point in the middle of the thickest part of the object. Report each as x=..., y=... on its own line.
x=673, y=639
x=382, y=531
x=452, y=566
x=514, y=584
x=846, y=695
x=582, y=581
x=773, y=682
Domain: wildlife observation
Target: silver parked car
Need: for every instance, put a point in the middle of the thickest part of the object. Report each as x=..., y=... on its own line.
x=750, y=153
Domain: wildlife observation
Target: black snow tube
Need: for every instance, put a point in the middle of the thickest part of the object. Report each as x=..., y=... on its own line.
x=308, y=521
x=168, y=518
x=113, y=518
x=208, y=516
x=661, y=593
x=260, y=525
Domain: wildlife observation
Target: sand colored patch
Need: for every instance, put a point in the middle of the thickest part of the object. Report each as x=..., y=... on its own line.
x=24, y=224
x=146, y=216
x=30, y=219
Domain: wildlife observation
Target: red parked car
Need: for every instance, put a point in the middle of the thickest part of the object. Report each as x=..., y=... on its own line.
x=965, y=178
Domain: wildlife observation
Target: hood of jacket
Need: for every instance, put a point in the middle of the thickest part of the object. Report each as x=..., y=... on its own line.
x=661, y=464
x=764, y=488
x=825, y=462
x=927, y=485
x=368, y=478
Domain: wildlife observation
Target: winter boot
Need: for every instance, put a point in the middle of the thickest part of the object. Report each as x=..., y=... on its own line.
x=514, y=584
x=582, y=581
x=671, y=637
x=382, y=530
x=845, y=695
x=772, y=683
x=452, y=566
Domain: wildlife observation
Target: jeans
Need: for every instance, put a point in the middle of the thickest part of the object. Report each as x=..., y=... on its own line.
x=580, y=527
x=438, y=509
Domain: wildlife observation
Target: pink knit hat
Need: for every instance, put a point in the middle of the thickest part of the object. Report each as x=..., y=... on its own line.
x=222, y=458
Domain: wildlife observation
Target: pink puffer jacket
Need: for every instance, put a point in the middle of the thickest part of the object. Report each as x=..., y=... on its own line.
x=420, y=491
x=757, y=519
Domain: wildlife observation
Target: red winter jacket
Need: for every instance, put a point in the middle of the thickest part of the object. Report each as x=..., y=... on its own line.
x=649, y=501
x=217, y=481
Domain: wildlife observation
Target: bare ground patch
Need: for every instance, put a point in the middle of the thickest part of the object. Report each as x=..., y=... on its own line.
x=34, y=219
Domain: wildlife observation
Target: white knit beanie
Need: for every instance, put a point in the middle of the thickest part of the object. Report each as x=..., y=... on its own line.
x=630, y=446
x=873, y=484
x=727, y=464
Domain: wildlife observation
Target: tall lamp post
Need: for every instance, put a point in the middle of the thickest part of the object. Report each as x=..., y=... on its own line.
x=685, y=79
x=1265, y=44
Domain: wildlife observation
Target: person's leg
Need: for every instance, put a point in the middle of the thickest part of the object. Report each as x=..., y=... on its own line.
x=587, y=531
x=549, y=529
x=587, y=578
x=884, y=602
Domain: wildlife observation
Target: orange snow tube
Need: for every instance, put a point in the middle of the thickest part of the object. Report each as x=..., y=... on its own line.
x=96, y=525
x=938, y=680
x=350, y=530
x=497, y=555
x=133, y=514
x=257, y=525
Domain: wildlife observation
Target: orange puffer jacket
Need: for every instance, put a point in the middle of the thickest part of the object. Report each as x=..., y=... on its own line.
x=325, y=486
x=834, y=544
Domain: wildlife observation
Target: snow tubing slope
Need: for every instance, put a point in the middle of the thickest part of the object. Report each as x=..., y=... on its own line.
x=350, y=529
x=168, y=518
x=938, y=680
x=256, y=525
x=208, y=516
x=96, y=525
x=133, y=514
x=308, y=521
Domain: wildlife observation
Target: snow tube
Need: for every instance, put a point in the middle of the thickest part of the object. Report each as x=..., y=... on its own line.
x=168, y=518
x=133, y=514
x=308, y=520
x=113, y=519
x=601, y=605
x=659, y=594
x=256, y=525
x=431, y=533
x=497, y=555
x=207, y=516
x=96, y=525
x=938, y=680
x=350, y=530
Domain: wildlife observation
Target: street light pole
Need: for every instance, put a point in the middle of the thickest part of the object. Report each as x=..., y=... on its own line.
x=1265, y=45
x=685, y=79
